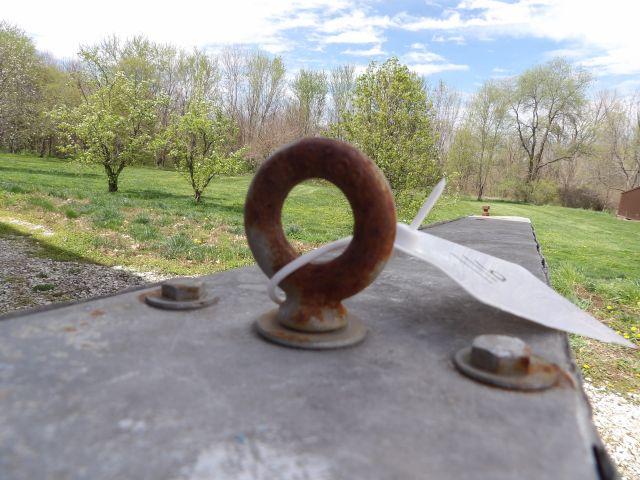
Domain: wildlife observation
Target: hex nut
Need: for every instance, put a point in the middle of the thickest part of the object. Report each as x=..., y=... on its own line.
x=500, y=354
x=182, y=289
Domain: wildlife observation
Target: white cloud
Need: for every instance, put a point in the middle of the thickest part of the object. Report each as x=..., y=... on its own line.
x=355, y=36
x=60, y=27
x=431, y=68
x=605, y=33
x=422, y=57
x=355, y=20
x=374, y=51
x=424, y=62
x=629, y=87
x=457, y=39
x=354, y=26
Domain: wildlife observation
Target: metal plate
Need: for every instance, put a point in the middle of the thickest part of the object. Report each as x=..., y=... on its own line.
x=155, y=299
x=114, y=389
x=269, y=327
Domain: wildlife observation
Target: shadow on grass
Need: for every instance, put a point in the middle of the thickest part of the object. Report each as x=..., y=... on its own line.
x=45, y=249
x=186, y=200
x=152, y=194
x=57, y=173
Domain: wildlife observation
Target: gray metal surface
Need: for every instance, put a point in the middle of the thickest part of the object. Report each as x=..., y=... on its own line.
x=115, y=389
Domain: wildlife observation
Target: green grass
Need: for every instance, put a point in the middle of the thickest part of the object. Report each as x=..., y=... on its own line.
x=153, y=224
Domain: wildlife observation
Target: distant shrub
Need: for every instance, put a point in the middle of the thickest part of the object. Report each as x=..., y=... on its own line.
x=507, y=188
x=541, y=192
x=544, y=192
x=580, y=197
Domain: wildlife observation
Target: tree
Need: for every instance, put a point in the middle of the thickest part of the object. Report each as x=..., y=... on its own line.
x=391, y=124
x=486, y=120
x=309, y=99
x=544, y=100
x=58, y=90
x=201, y=142
x=460, y=158
x=254, y=95
x=342, y=83
x=113, y=127
x=262, y=92
x=445, y=106
x=20, y=87
x=619, y=143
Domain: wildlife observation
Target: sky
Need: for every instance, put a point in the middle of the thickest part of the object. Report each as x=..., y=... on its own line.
x=463, y=42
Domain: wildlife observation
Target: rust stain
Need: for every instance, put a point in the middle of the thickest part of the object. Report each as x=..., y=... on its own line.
x=294, y=338
x=97, y=313
x=143, y=295
x=70, y=329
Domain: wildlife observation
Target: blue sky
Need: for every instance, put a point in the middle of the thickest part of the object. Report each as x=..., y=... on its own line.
x=463, y=42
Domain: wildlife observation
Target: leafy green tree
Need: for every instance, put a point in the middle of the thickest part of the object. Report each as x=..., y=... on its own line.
x=20, y=87
x=390, y=123
x=58, y=90
x=202, y=142
x=113, y=127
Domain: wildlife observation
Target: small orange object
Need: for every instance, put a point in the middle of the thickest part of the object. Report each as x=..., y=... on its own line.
x=485, y=210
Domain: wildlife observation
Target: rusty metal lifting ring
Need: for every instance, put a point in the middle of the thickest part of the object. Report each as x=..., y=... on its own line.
x=313, y=315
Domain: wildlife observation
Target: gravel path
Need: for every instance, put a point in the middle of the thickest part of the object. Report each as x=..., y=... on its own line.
x=618, y=422
x=27, y=280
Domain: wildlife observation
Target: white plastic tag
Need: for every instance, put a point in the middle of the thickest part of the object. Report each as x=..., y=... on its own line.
x=493, y=281
x=503, y=285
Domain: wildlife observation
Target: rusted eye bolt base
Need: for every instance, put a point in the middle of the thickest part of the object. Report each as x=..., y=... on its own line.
x=312, y=315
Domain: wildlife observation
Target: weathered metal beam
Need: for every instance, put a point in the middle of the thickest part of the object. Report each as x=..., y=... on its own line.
x=115, y=388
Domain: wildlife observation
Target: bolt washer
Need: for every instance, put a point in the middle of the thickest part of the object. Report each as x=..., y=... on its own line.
x=271, y=329
x=155, y=299
x=541, y=374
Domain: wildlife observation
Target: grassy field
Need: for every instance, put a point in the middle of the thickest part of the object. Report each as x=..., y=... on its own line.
x=153, y=224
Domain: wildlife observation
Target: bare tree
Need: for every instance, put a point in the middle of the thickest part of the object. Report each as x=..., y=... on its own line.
x=253, y=92
x=342, y=83
x=309, y=90
x=544, y=100
x=619, y=142
x=486, y=119
x=264, y=91
x=445, y=107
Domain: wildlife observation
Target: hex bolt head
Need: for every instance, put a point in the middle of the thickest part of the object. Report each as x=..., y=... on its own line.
x=500, y=354
x=182, y=289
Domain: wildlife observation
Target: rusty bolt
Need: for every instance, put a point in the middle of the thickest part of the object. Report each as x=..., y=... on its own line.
x=485, y=210
x=182, y=289
x=500, y=354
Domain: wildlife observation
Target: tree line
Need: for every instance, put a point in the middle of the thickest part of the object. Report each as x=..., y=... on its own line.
x=541, y=136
